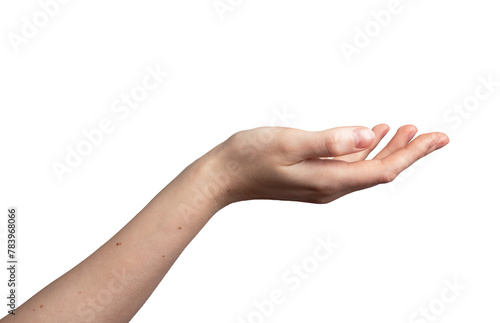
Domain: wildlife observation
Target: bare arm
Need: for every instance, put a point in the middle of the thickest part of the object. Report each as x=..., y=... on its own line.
x=264, y=163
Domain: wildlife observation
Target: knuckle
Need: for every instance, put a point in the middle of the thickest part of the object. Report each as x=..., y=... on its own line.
x=333, y=146
x=321, y=200
x=287, y=146
x=323, y=189
x=321, y=196
x=387, y=176
x=235, y=138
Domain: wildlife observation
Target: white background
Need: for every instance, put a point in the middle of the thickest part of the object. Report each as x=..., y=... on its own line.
x=399, y=243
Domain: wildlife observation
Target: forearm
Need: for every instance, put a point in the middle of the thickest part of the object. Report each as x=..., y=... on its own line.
x=114, y=282
x=264, y=163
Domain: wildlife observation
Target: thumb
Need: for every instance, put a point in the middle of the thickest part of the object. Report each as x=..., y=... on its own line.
x=333, y=142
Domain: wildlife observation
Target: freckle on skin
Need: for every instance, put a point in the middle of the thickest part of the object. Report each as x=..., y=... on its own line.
x=118, y=243
x=41, y=306
x=180, y=228
x=79, y=292
x=163, y=256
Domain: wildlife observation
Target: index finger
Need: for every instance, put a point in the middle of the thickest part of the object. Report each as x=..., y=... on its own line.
x=372, y=172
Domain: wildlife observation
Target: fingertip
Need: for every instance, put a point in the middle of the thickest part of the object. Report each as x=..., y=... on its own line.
x=384, y=129
x=410, y=126
x=442, y=141
x=408, y=130
x=444, y=136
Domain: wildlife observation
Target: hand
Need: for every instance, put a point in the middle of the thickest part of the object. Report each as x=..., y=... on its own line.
x=263, y=163
x=290, y=164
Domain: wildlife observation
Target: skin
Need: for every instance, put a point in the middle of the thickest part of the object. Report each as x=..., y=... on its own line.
x=276, y=163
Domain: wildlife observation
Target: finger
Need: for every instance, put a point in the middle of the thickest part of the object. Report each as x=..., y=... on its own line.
x=329, y=143
x=400, y=140
x=372, y=172
x=380, y=131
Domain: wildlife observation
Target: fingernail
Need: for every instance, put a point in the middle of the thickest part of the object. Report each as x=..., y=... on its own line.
x=441, y=144
x=363, y=137
x=386, y=131
x=434, y=142
x=412, y=134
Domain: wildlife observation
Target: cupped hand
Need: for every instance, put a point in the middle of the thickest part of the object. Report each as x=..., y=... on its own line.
x=318, y=167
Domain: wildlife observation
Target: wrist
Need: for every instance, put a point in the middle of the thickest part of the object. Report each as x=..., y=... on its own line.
x=203, y=188
x=215, y=177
